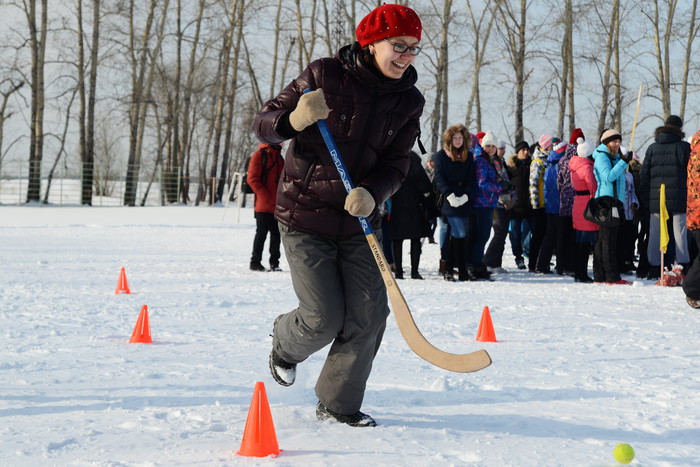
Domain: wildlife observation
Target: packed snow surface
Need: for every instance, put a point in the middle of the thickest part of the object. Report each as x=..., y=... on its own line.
x=577, y=369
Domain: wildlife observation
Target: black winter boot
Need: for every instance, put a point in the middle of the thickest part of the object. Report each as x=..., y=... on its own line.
x=357, y=419
x=582, y=254
x=460, y=244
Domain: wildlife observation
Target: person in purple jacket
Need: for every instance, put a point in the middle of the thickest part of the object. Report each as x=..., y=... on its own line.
x=487, y=190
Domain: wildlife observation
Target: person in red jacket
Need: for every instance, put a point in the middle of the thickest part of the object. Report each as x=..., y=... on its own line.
x=585, y=185
x=368, y=98
x=263, y=177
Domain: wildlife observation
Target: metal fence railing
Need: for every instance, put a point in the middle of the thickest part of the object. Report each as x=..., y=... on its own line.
x=65, y=186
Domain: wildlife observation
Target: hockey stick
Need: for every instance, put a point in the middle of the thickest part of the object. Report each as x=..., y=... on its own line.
x=460, y=363
x=636, y=114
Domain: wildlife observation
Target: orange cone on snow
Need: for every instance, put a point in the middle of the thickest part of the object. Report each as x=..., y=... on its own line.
x=122, y=285
x=486, y=332
x=142, y=330
x=259, y=439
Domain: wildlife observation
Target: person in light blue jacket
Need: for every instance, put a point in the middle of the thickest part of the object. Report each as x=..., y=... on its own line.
x=609, y=169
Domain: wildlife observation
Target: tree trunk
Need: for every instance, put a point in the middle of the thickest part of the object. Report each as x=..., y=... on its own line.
x=141, y=98
x=478, y=47
x=692, y=34
x=37, y=41
x=137, y=106
x=222, y=95
x=604, y=100
x=438, y=115
x=513, y=30
x=178, y=167
x=566, y=58
x=231, y=100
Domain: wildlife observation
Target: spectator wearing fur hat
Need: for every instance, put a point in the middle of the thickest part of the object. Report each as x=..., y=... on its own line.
x=538, y=222
x=519, y=173
x=666, y=162
x=609, y=168
x=342, y=300
x=455, y=180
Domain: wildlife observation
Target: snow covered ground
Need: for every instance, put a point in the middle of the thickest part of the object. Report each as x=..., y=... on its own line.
x=577, y=369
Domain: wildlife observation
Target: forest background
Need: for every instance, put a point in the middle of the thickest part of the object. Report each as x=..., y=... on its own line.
x=164, y=91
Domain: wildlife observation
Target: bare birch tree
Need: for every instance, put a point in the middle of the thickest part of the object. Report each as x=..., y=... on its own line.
x=662, y=52
x=5, y=115
x=609, y=24
x=513, y=29
x=37, y=43
x=87, y=99
x=690, y=39
x=479, y=44
x=143, y=74
x=438, y=116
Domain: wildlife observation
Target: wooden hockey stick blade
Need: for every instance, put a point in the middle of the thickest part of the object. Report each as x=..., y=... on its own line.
x=459, y=363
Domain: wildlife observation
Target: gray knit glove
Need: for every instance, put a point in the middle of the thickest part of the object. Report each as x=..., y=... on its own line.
x=359, y=202
x=311, y=108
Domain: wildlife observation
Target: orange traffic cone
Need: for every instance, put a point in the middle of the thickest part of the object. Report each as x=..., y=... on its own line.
x=486, y=332
x=122, y=285
x=259, y=439
x=142, y=330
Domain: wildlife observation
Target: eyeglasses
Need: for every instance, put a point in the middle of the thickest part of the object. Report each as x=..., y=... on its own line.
x=403, y=48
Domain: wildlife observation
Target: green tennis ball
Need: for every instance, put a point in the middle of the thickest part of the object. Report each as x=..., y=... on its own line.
x=623, y=453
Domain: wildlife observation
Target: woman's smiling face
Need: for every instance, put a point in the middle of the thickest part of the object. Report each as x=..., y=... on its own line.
x=393, y=64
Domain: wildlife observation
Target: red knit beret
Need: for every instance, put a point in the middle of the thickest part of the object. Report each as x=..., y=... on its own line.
x=388, y=21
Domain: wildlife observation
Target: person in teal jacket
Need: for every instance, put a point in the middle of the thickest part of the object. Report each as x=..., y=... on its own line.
x=609, y=169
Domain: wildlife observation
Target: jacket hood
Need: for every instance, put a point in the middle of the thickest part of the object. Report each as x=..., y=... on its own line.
x=668, y=134
x=602, y=149
x=554, y=156
x=353, y=58
x=269, y=147
x=539, y=154
x=513, y=161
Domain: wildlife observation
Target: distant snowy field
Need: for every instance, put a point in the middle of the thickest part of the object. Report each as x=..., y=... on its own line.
x=578, y=368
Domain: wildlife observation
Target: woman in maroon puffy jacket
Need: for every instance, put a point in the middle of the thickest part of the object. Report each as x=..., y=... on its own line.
x=368, y=97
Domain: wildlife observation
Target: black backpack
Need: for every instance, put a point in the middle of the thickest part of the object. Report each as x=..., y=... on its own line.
x=245, y=188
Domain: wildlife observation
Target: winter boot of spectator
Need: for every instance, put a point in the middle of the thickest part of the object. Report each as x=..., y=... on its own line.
x=415, y=261
x=582, y=254
x=397, y=249
x=448, y=271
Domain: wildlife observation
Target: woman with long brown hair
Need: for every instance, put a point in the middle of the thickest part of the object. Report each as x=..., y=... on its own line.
x=454, y=179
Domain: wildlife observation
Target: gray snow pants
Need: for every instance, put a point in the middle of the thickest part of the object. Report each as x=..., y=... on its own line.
x=680, y=236
x=343, y=301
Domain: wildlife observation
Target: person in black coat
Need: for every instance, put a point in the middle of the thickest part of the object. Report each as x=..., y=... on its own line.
x=455, y=179
x=666, y=162
x=409, y=219
x=519, y=172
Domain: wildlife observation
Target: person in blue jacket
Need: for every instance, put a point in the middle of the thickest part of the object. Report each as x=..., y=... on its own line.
x=551, y=207
x=609, y=169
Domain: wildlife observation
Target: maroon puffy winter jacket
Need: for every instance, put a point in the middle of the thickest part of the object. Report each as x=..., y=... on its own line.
x=374, y=121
